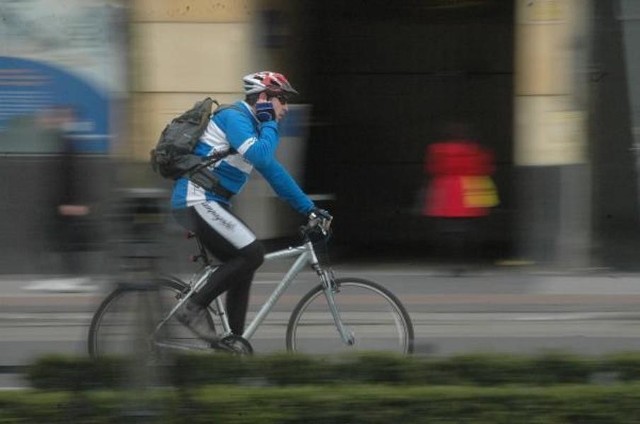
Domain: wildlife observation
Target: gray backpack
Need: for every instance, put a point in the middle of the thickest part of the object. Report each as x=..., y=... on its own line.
x=173, y=156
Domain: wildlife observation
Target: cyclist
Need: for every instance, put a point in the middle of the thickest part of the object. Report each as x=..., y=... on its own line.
x=250, y=129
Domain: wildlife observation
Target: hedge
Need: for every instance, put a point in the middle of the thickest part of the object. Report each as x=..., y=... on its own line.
x=69, y=373
x=332, y=404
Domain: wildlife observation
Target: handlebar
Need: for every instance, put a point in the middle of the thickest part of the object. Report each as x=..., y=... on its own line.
x=316, y=226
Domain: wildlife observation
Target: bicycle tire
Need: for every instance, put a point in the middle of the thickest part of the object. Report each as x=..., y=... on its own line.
x=112, y=330
x=375, y=316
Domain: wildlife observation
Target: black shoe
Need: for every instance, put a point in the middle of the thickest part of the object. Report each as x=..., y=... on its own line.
x=197, y=319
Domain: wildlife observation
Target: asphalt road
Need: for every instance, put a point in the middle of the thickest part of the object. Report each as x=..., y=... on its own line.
x=486, y=310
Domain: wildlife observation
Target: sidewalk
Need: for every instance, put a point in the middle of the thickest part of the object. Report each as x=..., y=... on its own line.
x=538, y=280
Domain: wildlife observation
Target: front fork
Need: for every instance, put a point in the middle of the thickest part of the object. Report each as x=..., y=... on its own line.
x=330, y=288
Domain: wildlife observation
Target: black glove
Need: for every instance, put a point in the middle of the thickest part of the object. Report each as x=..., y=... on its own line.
x=317, y=213
x=265, y=112
x=319, y=223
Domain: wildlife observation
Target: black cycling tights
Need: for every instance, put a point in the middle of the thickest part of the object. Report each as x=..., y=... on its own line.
x=227, y=238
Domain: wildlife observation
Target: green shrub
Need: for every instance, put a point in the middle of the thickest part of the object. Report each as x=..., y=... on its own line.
x=77, y=373
x=333, y=404
x=284, y=369
x=559, y=368
x=373, y=368
x=57, y=372
x=482, y=369
x=198, y=369
x=624, y=366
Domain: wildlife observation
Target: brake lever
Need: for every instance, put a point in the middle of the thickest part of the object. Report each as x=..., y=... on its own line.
x=324, y=225
x=314, y=223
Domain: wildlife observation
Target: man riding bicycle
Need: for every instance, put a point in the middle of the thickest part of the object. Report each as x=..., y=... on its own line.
x=249, y=130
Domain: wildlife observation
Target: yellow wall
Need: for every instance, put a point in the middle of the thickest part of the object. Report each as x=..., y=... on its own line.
x=203, y=11
x=550, y=125
x=183, y=50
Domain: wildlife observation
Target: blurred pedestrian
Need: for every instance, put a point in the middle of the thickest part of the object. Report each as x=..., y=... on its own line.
x=460, y=191
x=69, y=227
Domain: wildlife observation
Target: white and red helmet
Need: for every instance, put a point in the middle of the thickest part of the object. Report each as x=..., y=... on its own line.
x=267, y=81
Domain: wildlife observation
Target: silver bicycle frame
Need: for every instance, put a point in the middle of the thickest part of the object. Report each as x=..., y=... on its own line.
x=306, y=255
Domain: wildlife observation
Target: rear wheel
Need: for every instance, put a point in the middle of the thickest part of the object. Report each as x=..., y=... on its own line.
x=125, y=322
x=370, y=312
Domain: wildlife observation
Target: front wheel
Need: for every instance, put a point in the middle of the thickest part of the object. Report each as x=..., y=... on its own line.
x=369, y=312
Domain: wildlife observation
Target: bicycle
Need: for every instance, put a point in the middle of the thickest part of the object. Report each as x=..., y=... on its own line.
x=337, y=315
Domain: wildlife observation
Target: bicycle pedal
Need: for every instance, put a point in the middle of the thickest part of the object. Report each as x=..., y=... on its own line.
x=233, y=344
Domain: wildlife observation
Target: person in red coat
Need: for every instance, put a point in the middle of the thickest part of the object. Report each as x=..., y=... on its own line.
x=460, y=190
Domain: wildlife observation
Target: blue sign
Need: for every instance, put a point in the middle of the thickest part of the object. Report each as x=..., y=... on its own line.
x=28, y=89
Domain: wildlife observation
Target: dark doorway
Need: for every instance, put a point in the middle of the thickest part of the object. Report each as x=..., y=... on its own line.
x=383, y=77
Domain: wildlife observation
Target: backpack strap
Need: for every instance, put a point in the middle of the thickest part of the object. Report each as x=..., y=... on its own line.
x=242, y=110
x=204, y=179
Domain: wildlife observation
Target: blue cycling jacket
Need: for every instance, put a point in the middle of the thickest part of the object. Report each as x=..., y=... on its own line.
x=255, y=145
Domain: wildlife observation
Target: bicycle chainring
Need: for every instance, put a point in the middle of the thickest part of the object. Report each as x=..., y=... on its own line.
x=234, y=344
